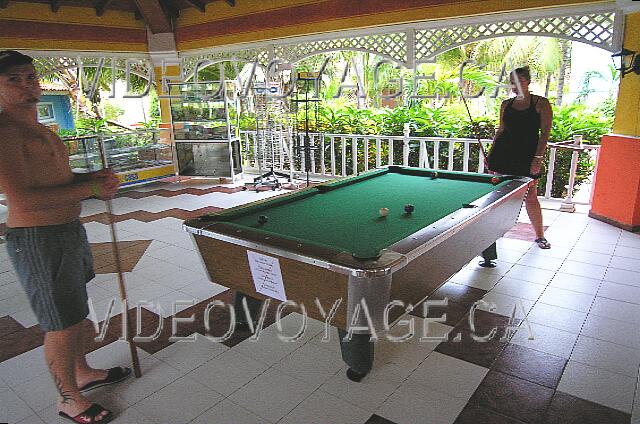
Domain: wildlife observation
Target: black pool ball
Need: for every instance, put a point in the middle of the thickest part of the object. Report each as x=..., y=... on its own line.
x=495, y=180
x=409, y=208
x=434, y=175
x=262, y=219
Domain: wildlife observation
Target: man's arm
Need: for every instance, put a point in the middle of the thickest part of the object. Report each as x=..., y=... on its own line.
x=14, y=179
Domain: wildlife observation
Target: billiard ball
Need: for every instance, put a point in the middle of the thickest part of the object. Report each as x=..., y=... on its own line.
x=434, y=175
x=262, y=219
x=384, y=211
x=495, y=180
x=409, y=208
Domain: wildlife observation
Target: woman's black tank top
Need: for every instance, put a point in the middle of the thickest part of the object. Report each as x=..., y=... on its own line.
x=514, y=148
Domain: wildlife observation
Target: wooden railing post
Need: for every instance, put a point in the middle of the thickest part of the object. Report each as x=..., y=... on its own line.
x=405, y=144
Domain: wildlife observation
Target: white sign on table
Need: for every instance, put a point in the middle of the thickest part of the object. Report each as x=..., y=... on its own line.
x=267, y=276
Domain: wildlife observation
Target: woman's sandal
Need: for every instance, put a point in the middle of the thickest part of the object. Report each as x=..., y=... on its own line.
x=543, y=243
x=89, y=415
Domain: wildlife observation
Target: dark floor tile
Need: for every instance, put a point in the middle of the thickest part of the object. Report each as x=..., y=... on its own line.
x=473, y=414
x=513, y=397
x=377, y=419
x=218, y=325
x=145, y=216
x=531, y=365
x=99, y=217
x=130, y=252
x=220, y=320
x=455, y=312
x=101, y=249
x=567, y=409
x=459, y=293
x=160, y=341
x=9, y=325
x=148, y=320
x=467, y=349
x=149, y=323
x=19, y=342
x=485, y=324
x=172, y=193
x=470, y=345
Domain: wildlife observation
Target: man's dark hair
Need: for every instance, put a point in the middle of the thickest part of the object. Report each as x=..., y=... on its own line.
x=9, y=58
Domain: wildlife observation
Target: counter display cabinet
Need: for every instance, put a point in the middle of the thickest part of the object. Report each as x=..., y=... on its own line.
x=204, y=121
x=136, y=157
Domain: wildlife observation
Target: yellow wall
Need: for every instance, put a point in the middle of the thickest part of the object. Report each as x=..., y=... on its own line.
x=627, y=121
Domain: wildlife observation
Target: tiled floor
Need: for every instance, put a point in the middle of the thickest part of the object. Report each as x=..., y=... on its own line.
x=574, y=359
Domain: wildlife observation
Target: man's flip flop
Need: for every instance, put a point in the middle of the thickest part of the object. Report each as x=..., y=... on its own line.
x=114, y=375
x=543, y=243
x=89, y=415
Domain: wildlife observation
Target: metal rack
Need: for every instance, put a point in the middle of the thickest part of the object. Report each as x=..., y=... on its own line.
x=302, y=142
x=272, y=143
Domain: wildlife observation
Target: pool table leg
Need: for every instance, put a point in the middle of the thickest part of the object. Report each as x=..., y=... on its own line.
x=488, y=255
x=357, y=353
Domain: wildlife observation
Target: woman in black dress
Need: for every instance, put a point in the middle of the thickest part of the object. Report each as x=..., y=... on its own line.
x=521, y=140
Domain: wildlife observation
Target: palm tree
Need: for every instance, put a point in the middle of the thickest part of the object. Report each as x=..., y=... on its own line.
x=86, y=102
x=585, y=87
x=565, y=69
x=549, y=60
x=543, y=55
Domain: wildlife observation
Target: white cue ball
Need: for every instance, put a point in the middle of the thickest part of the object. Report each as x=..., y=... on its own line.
x=384, y=211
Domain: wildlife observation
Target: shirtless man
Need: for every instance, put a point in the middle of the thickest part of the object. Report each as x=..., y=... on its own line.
x=46, y=242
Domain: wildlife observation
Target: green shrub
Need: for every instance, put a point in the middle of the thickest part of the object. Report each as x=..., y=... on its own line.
x=448, y=122
x=568, y=121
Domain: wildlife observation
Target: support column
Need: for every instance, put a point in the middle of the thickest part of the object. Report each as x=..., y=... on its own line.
x=166, y=67
x=616, y=196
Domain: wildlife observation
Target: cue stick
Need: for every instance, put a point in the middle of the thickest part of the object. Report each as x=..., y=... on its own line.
x=473, y=127
x=123, y=291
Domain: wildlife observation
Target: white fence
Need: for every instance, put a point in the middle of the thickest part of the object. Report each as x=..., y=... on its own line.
x=348, y=154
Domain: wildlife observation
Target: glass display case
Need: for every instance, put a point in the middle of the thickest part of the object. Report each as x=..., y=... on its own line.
x=205, y=122
x=136, y=157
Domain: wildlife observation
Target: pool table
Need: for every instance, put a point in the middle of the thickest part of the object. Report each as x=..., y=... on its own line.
x=331, y=241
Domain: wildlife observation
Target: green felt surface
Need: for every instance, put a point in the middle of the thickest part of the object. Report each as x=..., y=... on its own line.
x=346, y=216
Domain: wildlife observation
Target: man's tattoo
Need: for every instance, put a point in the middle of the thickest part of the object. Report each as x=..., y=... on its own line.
x=65, y=395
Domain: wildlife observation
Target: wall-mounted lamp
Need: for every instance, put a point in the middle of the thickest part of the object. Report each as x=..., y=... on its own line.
x=626, y=61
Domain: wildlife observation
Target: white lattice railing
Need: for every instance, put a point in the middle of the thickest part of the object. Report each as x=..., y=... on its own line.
x=335, y=155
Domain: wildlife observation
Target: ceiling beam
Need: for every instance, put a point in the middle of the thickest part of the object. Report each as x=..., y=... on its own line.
x=198, y=4
x=4, y=4
x=170, y=9
x=101, y=6
x=231, y=3
x=55, y=5
x=154, y=16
